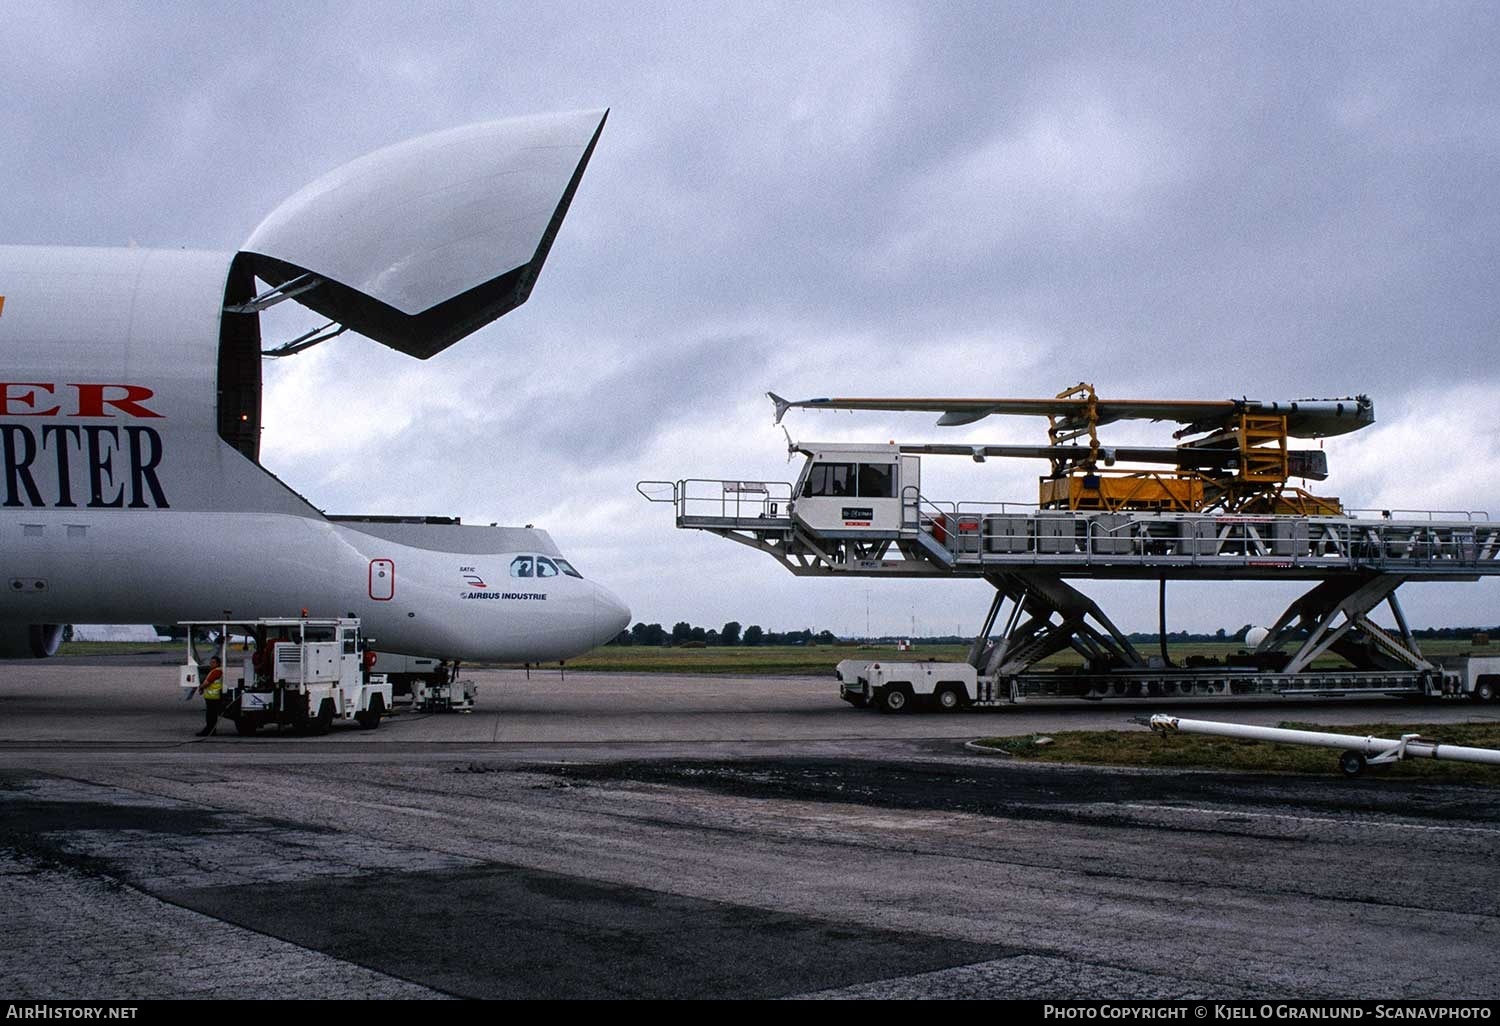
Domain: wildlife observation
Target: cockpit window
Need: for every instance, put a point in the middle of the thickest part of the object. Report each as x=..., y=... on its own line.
x=545, y=567
x=567, y=568
x=521, y=566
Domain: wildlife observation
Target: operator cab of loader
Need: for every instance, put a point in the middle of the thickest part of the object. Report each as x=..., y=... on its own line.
x=856, y=490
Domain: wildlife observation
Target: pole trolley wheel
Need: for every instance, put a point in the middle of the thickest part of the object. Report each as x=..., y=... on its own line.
x=1351, y=763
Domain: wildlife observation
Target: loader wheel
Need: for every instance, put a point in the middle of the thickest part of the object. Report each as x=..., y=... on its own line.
x=895, y=698
x=1484, y=688
x=947, y=700
x=1351, y=763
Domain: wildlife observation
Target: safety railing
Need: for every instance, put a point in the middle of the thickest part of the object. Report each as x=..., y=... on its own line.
x=1063, y=536
x=919, y=512
x=978, y=534
x=717, y=499
x=1421, y=514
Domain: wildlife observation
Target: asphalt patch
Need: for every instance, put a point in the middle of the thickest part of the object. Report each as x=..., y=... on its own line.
x=509, y=932
x=1027, y=791
x=25, y=816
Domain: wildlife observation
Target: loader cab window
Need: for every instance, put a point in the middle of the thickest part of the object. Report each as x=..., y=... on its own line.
x=829, y=479
x=567, y=568
x=545, y=567
x=877, y=480
x=521, y=566
x=850, y=480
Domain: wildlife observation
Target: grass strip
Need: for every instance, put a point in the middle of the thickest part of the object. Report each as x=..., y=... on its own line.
x=1197, y=751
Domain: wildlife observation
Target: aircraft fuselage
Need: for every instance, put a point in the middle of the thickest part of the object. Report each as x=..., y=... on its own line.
x=131, y=490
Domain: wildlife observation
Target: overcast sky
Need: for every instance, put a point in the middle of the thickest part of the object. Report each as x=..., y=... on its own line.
x=1173, y=201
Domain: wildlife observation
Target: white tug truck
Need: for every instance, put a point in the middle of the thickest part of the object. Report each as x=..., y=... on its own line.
x=947, y=686
x=432, y=685
x=300, y=672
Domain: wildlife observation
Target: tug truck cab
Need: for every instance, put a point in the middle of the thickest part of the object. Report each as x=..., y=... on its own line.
x=853, y=491
x=1471, y=676
x=305, y=673
x=898, y=687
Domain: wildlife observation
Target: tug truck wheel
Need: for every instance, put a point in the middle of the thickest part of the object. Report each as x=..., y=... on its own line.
x=370, y=718
x=895, y=698
x=306, y=724
x=1351, y=763
x=947, y=699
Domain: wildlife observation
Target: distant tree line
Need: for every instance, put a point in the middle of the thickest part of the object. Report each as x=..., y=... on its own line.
x=684, y=634
x=1430, y=633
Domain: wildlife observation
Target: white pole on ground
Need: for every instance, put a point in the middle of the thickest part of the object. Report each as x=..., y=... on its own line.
x=1374, y=749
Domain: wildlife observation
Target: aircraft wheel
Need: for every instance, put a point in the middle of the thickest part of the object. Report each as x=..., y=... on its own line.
x=1351, y=763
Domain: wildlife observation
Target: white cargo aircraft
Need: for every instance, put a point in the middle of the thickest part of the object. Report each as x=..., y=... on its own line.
x=130, y=404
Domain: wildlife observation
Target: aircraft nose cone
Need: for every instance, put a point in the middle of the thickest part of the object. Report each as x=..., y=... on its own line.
x=611, y=616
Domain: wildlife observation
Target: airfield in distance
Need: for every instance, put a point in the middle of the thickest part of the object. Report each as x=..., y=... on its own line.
x=595, y=835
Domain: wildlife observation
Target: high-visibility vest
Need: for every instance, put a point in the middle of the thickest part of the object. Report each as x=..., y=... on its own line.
x=213, y=684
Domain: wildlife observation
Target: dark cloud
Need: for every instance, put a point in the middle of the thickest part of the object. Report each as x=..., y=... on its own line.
x=585, y=415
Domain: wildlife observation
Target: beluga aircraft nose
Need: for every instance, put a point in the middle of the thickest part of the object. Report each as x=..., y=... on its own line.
x=611, y=616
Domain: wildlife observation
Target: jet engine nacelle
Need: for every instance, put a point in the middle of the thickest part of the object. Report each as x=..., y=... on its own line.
x=30, y=640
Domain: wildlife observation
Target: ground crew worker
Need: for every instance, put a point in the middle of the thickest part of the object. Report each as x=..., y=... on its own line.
x=212, y=690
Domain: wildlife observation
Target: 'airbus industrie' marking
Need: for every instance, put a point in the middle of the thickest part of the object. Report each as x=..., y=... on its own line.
x=531, y=596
